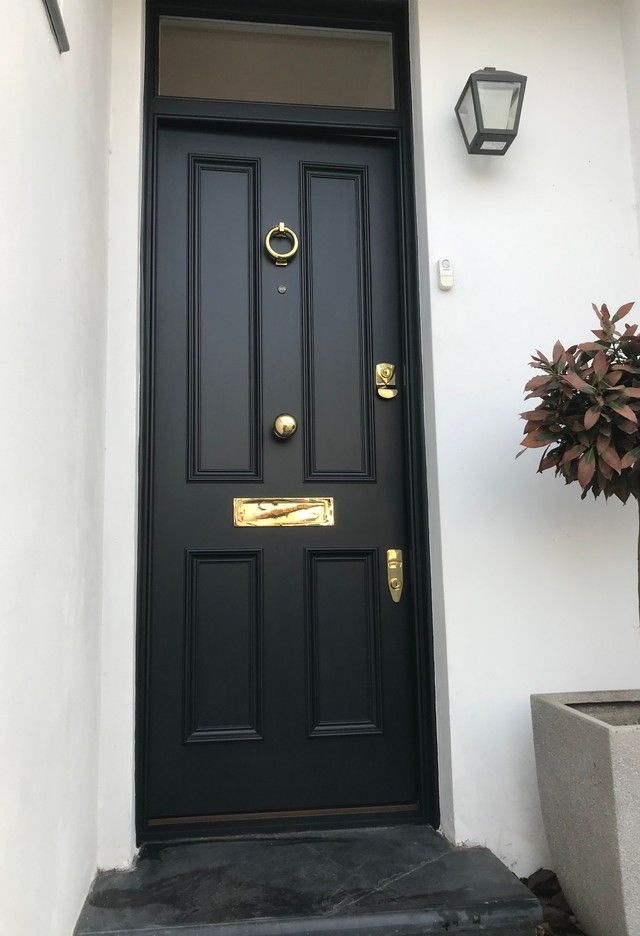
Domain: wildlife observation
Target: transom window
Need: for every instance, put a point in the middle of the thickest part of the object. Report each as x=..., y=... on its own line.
x=232, y=61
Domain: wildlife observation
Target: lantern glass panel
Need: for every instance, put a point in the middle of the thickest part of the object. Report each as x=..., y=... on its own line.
x=467, y=115
x=499, y=104
x=497, y=146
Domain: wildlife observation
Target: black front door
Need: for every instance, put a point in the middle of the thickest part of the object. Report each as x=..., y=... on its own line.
x=280, y=670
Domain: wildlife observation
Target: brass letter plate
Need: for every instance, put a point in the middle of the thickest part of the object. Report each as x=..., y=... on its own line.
x=283, y=512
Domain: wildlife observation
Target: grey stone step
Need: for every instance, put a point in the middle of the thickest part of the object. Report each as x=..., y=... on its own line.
x=404, y=880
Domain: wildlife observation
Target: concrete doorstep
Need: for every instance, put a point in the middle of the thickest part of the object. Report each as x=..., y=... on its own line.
x=401, y=880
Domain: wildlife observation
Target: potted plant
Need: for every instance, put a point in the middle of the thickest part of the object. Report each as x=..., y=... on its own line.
x=588, y=744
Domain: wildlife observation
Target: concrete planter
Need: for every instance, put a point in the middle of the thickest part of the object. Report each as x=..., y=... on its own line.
x=588, y=760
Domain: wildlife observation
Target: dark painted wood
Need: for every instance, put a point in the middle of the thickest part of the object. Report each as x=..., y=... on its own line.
x=223, y=645
x=238, y=653
x=344, y=677
x=224, y=327
x=336, y=302
x=334, y=125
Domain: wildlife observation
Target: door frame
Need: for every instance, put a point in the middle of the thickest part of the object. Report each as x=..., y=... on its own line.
x=391, y=16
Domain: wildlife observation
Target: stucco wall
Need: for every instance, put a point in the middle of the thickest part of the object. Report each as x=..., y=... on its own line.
x=116, y=843
x=53, y=250
x=535, y=590
x=630, y=22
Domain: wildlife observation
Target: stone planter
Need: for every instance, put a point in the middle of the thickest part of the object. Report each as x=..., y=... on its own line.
x=588, y=761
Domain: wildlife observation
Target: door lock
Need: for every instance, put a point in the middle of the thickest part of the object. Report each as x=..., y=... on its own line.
x=386, y=381
x=395, y=576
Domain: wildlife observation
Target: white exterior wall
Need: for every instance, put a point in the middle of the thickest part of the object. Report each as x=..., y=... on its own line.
x=116, y=793
x=631, y=39
x=53, y=250
x=535, y=590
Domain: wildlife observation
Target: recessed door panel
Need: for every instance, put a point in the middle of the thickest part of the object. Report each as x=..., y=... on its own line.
x=223, y=676
x=337, y=323
x=224, y=313
x=343, y=621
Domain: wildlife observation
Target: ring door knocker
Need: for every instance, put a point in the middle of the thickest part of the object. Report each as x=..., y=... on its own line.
x=281, y=230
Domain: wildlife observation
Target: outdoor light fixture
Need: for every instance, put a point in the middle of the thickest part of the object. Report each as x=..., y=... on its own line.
x=489, y=110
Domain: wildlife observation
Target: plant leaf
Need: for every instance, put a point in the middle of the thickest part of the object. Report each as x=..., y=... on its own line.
x=549, y=460
x=533, y=440
x=572, y=453
x=586, y=468
x=577, y=382
x=600, y=363
x=605, y=470
x=536, y=382
x=538, y=415
x=591, y=417
x=611, y=457
x=622, y=311
x=629, y=460
x=623, y=409
x=627, y=426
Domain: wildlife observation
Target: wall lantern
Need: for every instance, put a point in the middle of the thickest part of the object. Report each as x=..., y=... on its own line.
x=489, y=110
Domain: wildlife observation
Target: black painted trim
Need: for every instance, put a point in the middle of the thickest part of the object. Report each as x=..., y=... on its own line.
x=396, y=125
x=57, y=24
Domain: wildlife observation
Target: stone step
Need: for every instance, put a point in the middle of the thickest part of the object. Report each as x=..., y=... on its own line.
x=404, y=880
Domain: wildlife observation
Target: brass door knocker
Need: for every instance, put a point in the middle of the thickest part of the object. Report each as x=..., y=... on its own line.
x=281, y=230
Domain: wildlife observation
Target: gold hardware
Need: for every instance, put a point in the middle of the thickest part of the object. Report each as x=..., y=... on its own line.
x=283, y=511
x=395, y=576
x=281, y=230
x=386, y=381
x=284, y=426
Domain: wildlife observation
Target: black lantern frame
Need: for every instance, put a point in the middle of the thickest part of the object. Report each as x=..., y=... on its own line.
x=490, y=135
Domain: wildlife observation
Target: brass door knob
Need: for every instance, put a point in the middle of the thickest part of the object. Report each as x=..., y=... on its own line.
x=284, y=426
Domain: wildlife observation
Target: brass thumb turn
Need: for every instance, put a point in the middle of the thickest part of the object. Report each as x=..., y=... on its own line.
x=395, y=577
x=284, y=426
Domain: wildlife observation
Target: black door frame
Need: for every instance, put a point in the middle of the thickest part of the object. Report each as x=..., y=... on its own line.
x=391, y=16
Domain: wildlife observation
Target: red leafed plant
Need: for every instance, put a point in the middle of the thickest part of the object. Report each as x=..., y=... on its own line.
x=587, y=420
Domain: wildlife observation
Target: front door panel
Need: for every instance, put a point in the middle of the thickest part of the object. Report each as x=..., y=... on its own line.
x=281, y=674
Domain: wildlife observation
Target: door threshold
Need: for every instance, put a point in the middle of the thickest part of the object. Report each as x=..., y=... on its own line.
x=404, y=879
x=284, y=814
x=213, y=827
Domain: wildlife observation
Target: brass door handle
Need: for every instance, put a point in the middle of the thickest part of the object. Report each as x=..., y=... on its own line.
x=395, y=575
x=284, y=426
x=281, y=230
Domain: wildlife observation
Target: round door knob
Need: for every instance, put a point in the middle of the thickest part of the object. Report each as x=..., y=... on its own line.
x=284, y=426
